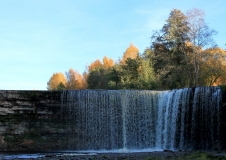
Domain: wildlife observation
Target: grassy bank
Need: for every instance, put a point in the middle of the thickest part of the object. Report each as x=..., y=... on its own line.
x=194, y=156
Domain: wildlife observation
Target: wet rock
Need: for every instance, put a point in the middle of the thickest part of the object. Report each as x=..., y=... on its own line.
x=6, y=104
x=166, y=150
x=23, y=103
x=27, y=143
x=1, y=139
x=5, y=111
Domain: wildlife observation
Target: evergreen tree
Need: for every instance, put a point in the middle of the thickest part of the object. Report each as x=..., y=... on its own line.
x=170, y=59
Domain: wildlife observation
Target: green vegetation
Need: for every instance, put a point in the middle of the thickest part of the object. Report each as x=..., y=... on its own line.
x=223, y=88
x=9, y=138
x=194, y=156
x=182, y=54
x=199, y=156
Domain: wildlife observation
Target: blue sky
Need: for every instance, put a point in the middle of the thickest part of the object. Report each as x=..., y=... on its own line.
x=41, y=37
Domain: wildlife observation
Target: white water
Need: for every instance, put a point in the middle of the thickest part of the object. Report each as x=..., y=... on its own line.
x=131, y=120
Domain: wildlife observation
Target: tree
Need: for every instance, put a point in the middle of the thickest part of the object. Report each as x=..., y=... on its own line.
x=212, y=67
x=200, y=36
x=98, y=73
x=134, y=74
x=107, y=62
x=84, y=80
x=60, y=86
x=114, y=76
x=97, y=79
x=74, y=80
x=146, y=75
x=56, y=82
x=131, y=52
x=94, y=65
x=170, y=59
x=131, y=72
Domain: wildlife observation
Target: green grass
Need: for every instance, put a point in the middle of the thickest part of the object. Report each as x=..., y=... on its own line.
x=193, y=156
x=199, y=156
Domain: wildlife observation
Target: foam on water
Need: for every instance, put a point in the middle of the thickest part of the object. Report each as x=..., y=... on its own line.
x=21, y=156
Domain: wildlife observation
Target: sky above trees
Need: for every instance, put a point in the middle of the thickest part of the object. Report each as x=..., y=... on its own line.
x=41, y=37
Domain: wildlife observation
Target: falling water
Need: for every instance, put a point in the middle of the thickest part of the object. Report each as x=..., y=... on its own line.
x=136, y=119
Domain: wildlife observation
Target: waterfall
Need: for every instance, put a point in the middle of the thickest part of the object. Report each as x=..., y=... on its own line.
x=141, y=119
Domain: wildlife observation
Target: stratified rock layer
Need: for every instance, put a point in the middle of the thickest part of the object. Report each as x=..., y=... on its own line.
x=102, y=119
x=30, y=120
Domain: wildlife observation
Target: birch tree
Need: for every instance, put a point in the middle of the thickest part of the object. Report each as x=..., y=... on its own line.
x=74, y=79
x=201, y=36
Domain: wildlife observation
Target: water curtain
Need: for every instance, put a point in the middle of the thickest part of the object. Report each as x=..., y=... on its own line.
x=181, y=119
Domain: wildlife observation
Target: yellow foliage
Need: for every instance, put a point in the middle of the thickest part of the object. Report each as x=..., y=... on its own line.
x=188, y=44
x=84, y=80
x=74, y=80
x=55, y=80
x=131, y=52
x=95, y=65
x=108, y=62
x=213, y=66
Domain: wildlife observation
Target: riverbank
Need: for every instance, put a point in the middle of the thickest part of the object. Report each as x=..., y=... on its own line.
x=157, y=155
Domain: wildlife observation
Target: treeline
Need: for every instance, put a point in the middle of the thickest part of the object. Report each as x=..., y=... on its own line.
x=181, y=54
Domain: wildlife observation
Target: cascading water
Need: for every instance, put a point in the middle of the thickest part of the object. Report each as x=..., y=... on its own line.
x=135, y=119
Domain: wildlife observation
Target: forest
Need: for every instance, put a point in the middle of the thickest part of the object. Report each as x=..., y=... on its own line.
x=182, y=54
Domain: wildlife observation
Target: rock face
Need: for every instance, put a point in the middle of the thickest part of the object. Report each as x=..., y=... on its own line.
x=34, y=121
x=30, y=120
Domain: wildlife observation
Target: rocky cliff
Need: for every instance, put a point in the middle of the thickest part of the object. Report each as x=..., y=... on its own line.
x=37, y=121
x=30, y=120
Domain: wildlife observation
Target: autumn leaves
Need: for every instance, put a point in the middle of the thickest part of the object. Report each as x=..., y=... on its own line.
x=96, y=75
x=181, y=55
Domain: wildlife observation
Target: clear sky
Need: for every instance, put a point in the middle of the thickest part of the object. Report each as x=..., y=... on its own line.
x=41, y=37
